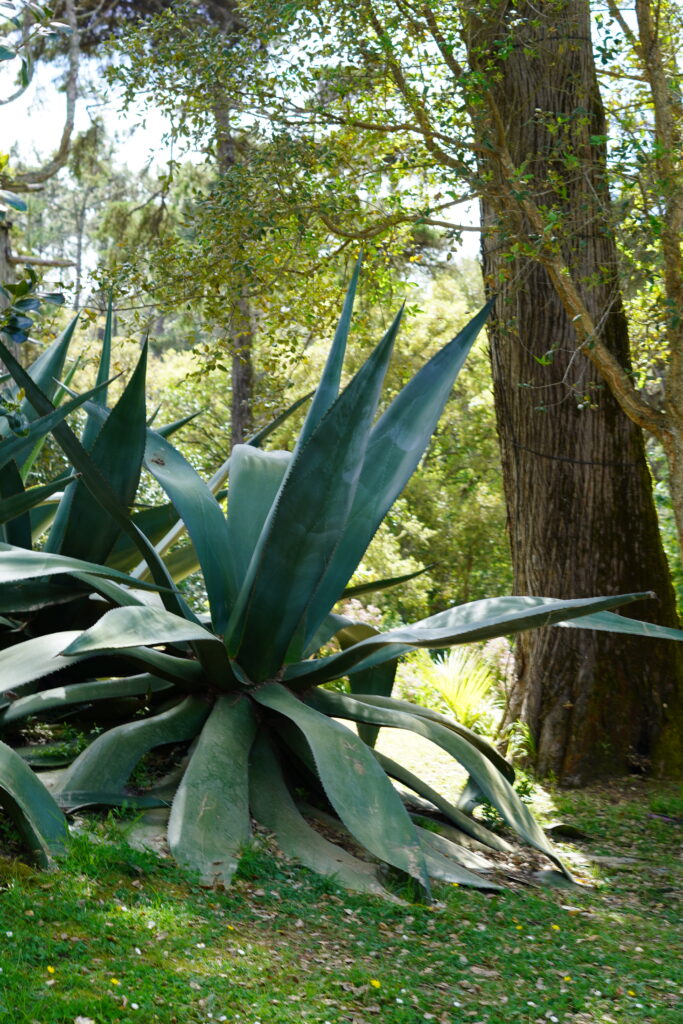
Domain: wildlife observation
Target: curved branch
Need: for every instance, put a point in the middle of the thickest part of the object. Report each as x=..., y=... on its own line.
x=23, y=181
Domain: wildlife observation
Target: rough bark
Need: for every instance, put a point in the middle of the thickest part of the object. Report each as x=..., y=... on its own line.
x=580, y=510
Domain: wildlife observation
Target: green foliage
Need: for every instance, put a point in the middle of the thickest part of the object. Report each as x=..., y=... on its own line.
x=464, y=680
x=242, y=690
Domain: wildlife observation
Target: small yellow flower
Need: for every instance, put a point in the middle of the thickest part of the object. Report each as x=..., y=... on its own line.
x=455, y=884
x=519, y=927
x=114, y=981
x=555, y=927
x=375, y=983
x=631, y=992
x=231, y=928
x=50, y=969
x=567, y=977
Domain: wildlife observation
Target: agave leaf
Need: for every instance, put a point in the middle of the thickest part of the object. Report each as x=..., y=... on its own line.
x=354, y=783
x=491, y=782
x=171, y=428
x=375, y=586
x=113, y=592
x=482, y=745
x=98, y=484
x=46, y=370
x=470, y=859
x=209, y=821
x=92, y=424
x=17, y=564
x=203, y=518
x=379, y=681
x=620, y=624
x=328, y=628
x=29, y=498
x=80, y=528
x=25, y=664
x=397, y=443
x=35, y=813
x=260, y=436
x=17, y=448
x=308, y=518
x=274, y=808
x=107, y=764
x=462, y=822
x=182, y=562
x=17, y=530
x=255, y=479
x=136, y=626
x=154, y=522
x=328, y=389
x=479, y=620
x=447, y=869
x=60, y=697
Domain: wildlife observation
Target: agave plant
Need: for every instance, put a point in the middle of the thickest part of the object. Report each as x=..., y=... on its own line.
x=245, y=692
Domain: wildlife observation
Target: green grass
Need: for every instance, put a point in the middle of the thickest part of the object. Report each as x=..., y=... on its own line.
x=119, y=935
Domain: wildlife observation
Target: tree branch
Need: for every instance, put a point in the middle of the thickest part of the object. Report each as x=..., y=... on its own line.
x=22, y=181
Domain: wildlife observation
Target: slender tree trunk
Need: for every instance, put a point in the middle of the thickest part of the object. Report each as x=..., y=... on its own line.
x=241, y=418
x=6, y=267
x=580, y=510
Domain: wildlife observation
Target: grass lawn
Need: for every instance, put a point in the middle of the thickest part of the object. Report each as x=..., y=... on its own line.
x=119, y=935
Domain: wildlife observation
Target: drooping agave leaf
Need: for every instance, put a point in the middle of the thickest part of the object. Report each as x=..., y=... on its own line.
x=59, y=697
x=136, y=626
x=470, y=859
x=447, y=869
x=81, y=528
x=308, y=518
x=462, y=822
x=274, y=807
x=29, y=498
x=328, y=388
x=33, y=810
x=17, y=564
x=98, y=484
x=103, y=769
x=255, y=479
x=209, y=822
x=611, y=623
x=203, y=518
x=355, y=785
x=25, y=664
x=482, y=744
x=479, y=620
x=397, y=443
x=491, y=782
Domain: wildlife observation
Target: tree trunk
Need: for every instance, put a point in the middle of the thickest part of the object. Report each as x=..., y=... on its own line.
x=241, y=418
x=6, y=266
x=580, y=510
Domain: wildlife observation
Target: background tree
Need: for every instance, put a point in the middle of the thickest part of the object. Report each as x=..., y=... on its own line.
x=511, y=84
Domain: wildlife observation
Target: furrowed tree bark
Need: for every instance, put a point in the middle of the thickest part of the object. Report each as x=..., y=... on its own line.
x=580, y=509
